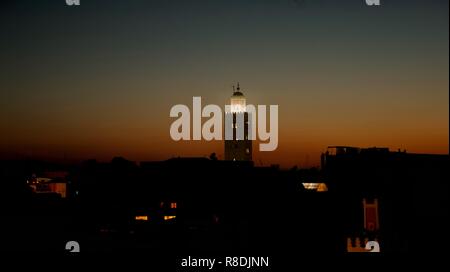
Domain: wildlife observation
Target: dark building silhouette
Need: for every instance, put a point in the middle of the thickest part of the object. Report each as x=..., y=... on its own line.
x=411, y=192
x=186, y=204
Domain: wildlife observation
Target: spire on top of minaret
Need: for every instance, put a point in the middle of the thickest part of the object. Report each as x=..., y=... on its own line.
x=237, y=91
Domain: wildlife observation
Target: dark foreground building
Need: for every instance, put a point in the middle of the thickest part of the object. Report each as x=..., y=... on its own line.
x=198, y=204
x=411, y=191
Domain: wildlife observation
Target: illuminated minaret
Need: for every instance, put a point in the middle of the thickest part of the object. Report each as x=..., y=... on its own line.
x=238, y=149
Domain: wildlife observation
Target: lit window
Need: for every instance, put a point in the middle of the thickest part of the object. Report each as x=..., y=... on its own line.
x=169, y=217
x=141, y=218
x=322, y=187
x=318, y=187
x=310, y=186
x=173, y=205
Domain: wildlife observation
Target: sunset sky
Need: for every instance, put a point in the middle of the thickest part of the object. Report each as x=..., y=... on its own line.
x=98, y=80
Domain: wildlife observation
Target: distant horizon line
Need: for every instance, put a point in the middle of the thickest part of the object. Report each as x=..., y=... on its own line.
x=51, y=159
